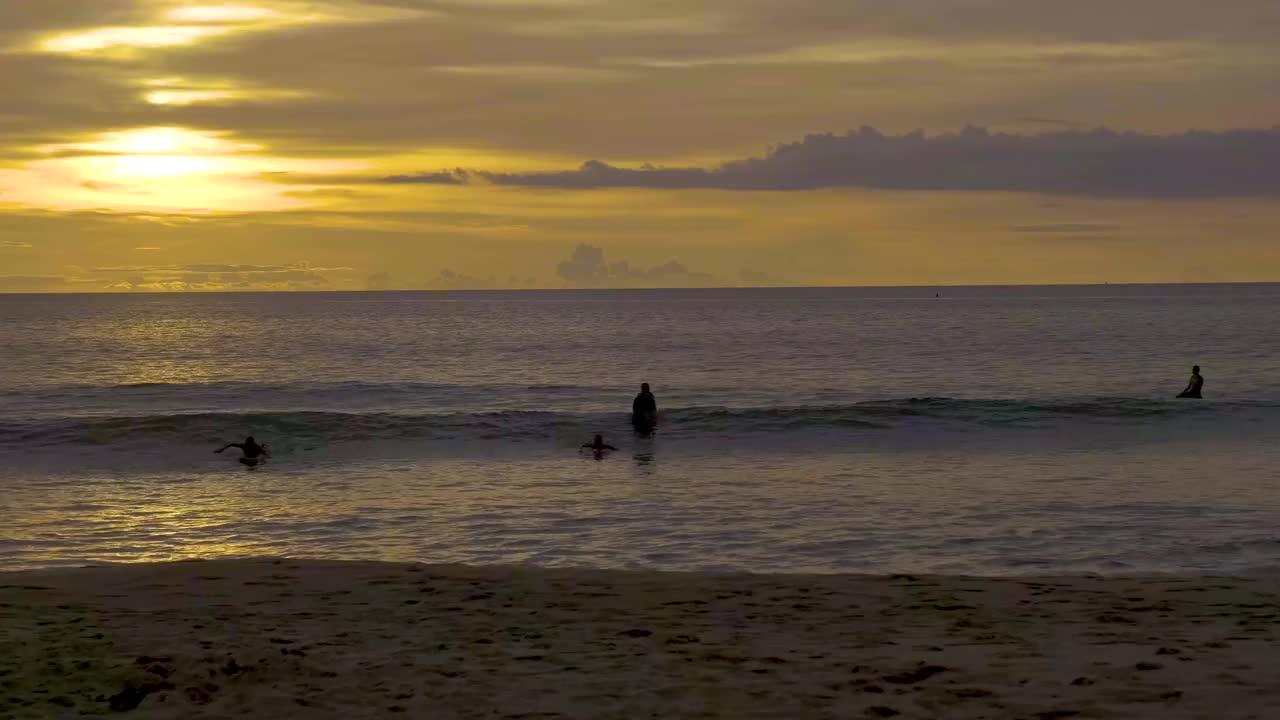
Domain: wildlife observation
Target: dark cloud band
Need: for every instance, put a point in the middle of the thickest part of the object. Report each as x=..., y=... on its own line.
x=1100, y=162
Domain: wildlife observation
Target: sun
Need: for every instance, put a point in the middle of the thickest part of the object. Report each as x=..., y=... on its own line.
x=159, y=166
x=160, y=141
x=163, y=169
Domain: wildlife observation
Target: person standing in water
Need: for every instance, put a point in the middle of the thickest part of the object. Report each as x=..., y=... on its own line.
x=644, y=409
x=253, y=452
x=1194, y=386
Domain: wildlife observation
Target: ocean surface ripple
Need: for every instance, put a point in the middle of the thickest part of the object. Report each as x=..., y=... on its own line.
x=993, y=431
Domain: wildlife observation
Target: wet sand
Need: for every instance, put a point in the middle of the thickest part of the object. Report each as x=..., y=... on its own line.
x=320, y=639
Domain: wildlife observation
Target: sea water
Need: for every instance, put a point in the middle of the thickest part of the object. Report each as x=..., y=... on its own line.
x=995, y=430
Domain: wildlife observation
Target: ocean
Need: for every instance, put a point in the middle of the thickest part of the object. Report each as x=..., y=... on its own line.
x=983, y=430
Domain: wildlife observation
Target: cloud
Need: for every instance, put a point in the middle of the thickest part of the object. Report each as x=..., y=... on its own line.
x=13, y=244
x=450, y=280
x=379, y=281
x=188, y=25
x=543, y=73
x=220, y=268
x=755, y=278
x=887, y=51
x=1065, y=228
x=444, y=177
x=1053, y=122
x=1072, y=232
x=31, y=283
x=505, y=76
x=1102, y=162
x=216, y=276
x=587, y=267
x=281, y=157
x=222, y=13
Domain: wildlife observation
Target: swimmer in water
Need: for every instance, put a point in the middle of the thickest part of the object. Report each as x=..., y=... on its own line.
x=1194, y=386
x=598, y=446
x=253, y=452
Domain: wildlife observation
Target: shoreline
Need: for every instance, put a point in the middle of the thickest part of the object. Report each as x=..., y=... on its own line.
x=276, y=637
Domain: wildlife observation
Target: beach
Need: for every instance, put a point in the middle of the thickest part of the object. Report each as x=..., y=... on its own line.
x=271, y=638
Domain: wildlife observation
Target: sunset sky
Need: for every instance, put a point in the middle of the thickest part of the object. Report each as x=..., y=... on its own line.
x=409, y=144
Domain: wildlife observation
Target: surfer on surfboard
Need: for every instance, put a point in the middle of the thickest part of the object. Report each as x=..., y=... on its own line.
x=254, y=454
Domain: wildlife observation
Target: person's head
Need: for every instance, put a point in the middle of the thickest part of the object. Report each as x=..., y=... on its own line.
x=644, y=387
x=249, y=441
x=1195, y=369
x=599, y=440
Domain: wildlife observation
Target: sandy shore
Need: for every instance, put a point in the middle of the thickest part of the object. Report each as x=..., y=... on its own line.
x=317, y=639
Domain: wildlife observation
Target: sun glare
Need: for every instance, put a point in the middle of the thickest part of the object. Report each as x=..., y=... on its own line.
x=171, y=169
x=191, y=24
x=159, y=141
x=130, y=37
x=154, y=166
x=185, y=25
x=187, y=97
x=220, y=13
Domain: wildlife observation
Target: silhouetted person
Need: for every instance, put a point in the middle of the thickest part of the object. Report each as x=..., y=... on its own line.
x=644, y=409
x=253, y=452
x=599, y=445
x=1194, y=386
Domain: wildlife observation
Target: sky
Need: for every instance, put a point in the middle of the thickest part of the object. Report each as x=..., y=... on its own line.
x=159, y=145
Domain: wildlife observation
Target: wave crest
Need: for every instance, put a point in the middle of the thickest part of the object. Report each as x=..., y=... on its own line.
x=333, y=426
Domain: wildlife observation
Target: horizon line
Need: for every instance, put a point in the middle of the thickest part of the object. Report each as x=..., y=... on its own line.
x=655, y=289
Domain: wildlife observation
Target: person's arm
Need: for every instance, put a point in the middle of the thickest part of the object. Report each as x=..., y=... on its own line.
x=610, y=447
x=229, y=445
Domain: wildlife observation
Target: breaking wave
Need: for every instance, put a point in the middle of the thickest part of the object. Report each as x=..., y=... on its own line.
x=521, y=425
